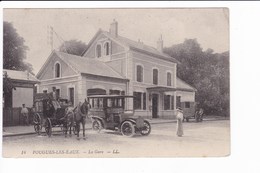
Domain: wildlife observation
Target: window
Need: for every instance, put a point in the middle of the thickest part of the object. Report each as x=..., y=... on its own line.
x=139, y=73
x=57, y=93
x=140, y=101
x=137, y=100
x=144, y=101
x=98, y=51
x=57, y=70
x=169, y=79
x=109, y=103
x=71, y=95
x=187, y=104
x=114, y=92
x=115, y=103
x=96, y=102
x=100, y=102
x=155, y=76
x=178, y=101
x=106, y=47
x=172, y=103
x=167, y=102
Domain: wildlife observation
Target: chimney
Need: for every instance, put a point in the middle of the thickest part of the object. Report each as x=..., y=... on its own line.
x=139, y=41
x=114, y=28
x=160, y=44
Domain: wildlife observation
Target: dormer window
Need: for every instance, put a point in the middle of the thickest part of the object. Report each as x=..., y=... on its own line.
x=57, y=70
x=106, y=48
x=98, y=51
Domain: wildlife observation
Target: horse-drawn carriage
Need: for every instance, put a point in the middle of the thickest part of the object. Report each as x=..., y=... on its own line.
x=49, y=113
x=110, y=112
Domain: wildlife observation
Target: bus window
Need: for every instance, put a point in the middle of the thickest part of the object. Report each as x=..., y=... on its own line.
x=109, y=103
x=100, y=102
x=95, y=102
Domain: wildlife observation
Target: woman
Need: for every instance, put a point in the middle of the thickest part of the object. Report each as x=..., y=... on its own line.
x=179, y=127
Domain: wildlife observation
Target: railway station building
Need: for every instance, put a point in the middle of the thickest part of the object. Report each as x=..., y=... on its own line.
x=113, y=64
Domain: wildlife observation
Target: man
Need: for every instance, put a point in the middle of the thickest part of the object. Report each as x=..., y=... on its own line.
x=54, y=94
x=25, y=116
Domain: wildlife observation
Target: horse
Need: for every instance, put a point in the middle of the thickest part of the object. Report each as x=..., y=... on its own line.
x=69, y=120
x=77, y=116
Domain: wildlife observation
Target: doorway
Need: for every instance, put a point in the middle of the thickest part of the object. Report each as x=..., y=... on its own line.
x=155, y=105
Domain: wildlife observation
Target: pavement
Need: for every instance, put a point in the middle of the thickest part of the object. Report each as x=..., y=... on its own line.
x=29, y=130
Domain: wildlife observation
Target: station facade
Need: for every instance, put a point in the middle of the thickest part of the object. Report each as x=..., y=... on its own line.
x=113, y=64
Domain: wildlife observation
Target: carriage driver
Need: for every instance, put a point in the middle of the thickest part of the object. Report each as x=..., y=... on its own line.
x=53, y=93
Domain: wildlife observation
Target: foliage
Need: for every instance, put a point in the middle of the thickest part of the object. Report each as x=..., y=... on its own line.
x=74, y=47
x=7, y=84
x=14, y=50
x=207, y=71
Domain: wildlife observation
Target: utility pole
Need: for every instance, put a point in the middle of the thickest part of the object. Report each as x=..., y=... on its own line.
x=50, y=36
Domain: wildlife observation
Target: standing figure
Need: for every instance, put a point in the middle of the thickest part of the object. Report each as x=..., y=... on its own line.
x=200, y=114
x=179, y=128
x=54, y=93
x=25, y=115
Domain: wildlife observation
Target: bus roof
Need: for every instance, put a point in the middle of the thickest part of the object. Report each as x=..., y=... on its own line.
x=110, y=96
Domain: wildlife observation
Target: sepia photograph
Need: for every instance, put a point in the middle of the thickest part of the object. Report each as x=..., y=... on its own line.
x=116, y=83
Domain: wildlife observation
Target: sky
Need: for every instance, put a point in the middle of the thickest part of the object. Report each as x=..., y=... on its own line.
x=210, y=26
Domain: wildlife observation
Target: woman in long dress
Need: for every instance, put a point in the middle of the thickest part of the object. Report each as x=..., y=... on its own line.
x=179, y=128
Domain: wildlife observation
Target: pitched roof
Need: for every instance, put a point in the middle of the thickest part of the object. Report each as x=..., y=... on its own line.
x=181, y=85
x=133, y=45
x=89, y=65
x=21, y=75
x=139, y=46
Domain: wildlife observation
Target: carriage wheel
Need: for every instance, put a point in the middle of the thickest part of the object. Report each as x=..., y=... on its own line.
x=96, y=125
x=48, y=127
x=127, y=129
x=146, y=129
x=37, y=123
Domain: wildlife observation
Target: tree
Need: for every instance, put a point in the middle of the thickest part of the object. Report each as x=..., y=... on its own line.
x=8, y=86
x=207, y=71
x=14, y=50
x=74, y=47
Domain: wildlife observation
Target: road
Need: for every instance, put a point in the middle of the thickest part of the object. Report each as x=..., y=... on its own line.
x=209, y=138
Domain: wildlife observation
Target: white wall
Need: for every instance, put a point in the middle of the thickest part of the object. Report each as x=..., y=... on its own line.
x=186, y=96
x=22, y=95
